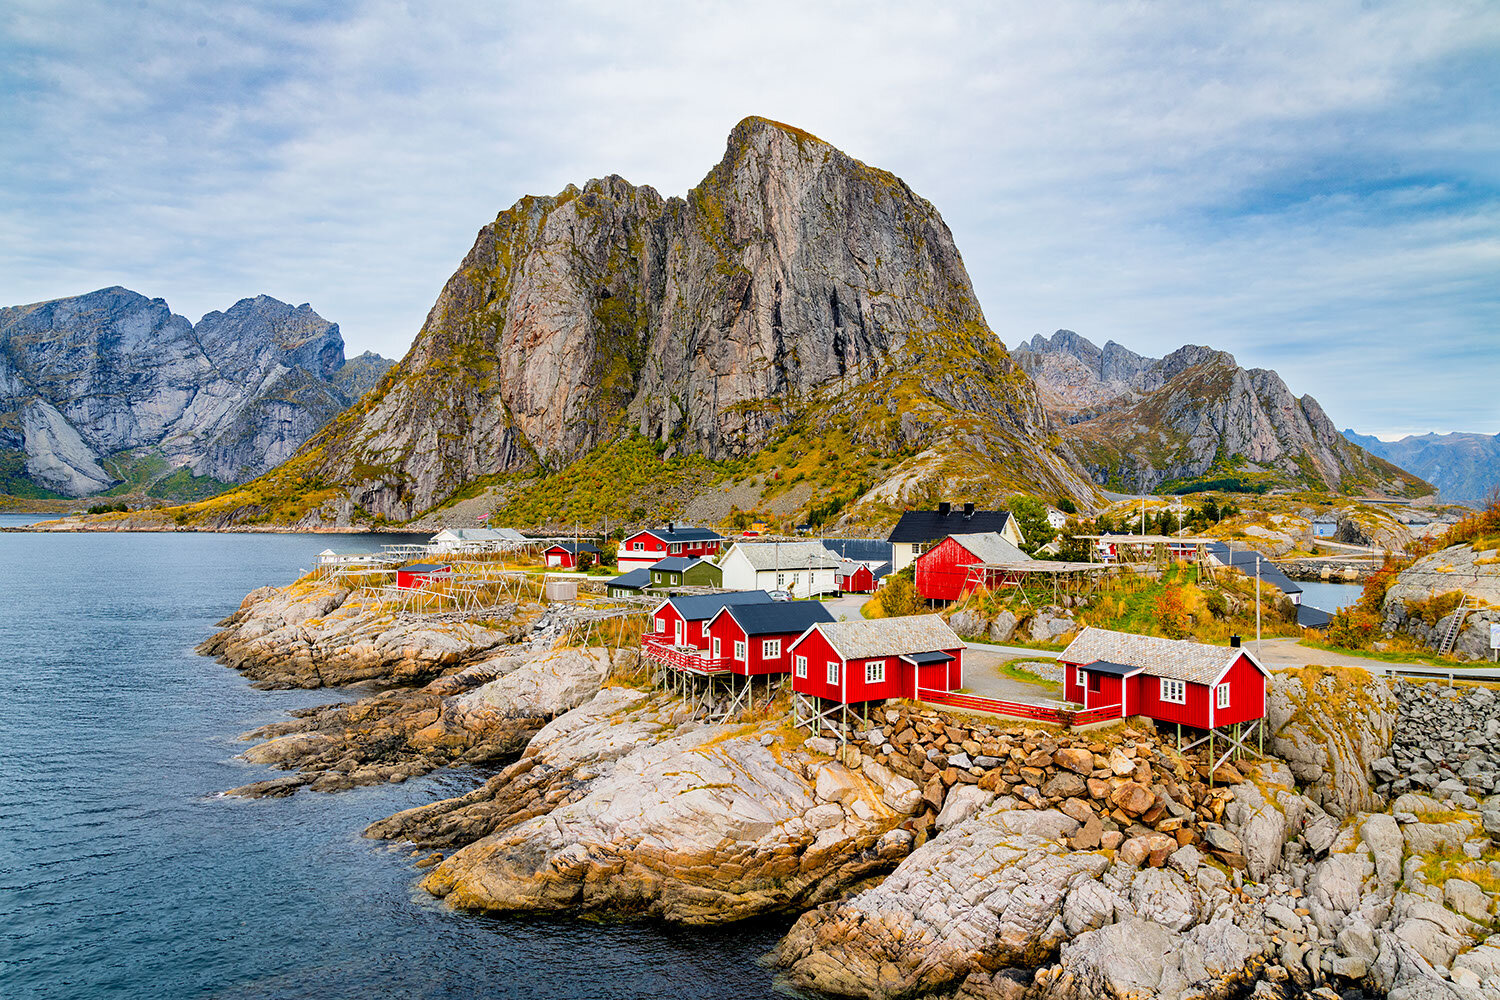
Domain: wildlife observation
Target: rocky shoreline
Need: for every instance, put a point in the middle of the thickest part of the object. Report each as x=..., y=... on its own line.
x=935, y=854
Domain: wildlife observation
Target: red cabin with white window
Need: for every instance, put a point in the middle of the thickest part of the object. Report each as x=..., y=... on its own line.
x=856, y=578
x=860, y=661
x=648, y=547
x=757, y=638
x=421, y=574
x=1170, y=681
x=948, y=570
x=564, y=555
x=683, y=621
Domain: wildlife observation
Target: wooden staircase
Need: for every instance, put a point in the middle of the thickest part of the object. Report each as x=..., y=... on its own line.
x=1455, y=626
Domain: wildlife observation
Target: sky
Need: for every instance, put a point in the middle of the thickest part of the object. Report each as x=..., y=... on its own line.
x=1314, y=187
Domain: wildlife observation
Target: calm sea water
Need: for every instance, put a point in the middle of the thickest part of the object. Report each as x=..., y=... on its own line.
x=123, y=874
x=1329, y=596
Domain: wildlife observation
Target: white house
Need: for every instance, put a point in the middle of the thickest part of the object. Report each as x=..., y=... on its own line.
x=805, y=569
x=477, y=540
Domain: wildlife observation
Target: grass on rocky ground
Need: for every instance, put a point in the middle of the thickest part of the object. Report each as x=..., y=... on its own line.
x=1016, y=671
x=1396, y=656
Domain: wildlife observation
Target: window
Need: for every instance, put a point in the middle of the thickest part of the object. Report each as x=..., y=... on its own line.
x=739, y=650
x=1172, y=691
x=638, y=546
x=718, y=649
x=800, y=666
x=676, y=578
x=875, y=672
x=771, y=649
x=1079, y=677
x=1094, y=682
x=780, y=579
x=833, y=671
x=661, y=624
x=916, y=548
x=1223, y=695
x=702, y=629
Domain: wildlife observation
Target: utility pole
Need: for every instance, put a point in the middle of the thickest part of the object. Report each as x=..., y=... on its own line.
x=1257, y=604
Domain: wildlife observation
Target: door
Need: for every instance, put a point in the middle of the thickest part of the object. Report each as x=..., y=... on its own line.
x=679, y=633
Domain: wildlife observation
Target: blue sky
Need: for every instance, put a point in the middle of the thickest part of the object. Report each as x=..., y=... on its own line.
x=1314, y=187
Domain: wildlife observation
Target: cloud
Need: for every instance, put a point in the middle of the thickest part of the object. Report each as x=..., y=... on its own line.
x=1310, y=186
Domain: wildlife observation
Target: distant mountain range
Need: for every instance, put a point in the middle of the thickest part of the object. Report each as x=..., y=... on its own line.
x=1195, y=420
x=1464, y=467
x=111, y=389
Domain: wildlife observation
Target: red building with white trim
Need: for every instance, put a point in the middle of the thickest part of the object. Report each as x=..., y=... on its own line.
x=421, y=574
x=757, y=638
x=645, y=548
x=1172, y=681
x=946, y=571
x=564, y=555
x=862, y=661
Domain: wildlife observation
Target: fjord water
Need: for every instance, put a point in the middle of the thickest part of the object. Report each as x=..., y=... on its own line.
x=124, y=874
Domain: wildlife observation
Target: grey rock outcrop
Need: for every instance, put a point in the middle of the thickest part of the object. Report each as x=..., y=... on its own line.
x=108, y=383
x=1331, y=726
x=1146, y=421
x=793, y=282
x=1456, y=570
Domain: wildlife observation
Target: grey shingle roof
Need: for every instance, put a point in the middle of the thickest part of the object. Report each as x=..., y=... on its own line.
x=675, y=564
x=1175, y=658
x=991, y=547
x=858, y=640
x=787, y=555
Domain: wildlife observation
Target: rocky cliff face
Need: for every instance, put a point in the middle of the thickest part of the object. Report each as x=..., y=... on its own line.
x=1464, y=467
x=102, y=386
x=793, y=283
x=1145, y=424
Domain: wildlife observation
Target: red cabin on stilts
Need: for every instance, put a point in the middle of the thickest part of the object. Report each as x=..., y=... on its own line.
x=757, y=638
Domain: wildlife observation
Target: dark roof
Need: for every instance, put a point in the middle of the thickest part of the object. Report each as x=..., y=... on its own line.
x=424, y=568
x=930, y=526
x=779, y=616
x=883, y=569
x=1117, y=669
x=636, y=579
x=1311, y=617
x=573, y=548
x=676, y=564
x=866, y=550
x=700, y=607
x=922, y=659
x=1245, y=563
x=681, y=534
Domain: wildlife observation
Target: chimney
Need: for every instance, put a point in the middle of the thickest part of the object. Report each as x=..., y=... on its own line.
x=671, y=527
x=968, y=511
x=944, y=508
x=1234, y=642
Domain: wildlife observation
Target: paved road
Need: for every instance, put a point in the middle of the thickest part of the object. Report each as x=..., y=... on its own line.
x=982, y=677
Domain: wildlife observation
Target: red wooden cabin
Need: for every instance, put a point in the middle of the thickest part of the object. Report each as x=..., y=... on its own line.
x=645, y=548
x=420, y=574
x=1171, y=681
x=861, y=661
x=946, y=571
x=857, y=578
x=564, y=555
x=683, y=621
x=757, y=638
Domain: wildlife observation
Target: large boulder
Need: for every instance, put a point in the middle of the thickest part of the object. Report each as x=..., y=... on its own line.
x=1330, y=724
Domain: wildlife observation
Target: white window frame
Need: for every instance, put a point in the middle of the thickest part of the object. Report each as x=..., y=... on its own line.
x=1081, y=677
x=1171, y=691
x=833, y=671
x=703, y=628
x=916, y=548
x=676, y=578
x=739, y=650
x=799, y=666
x=638, y=546
x=780, y=578
x=1221, y=696
x=874, y=671
x=661, y=625
x=718, y=648
x=770, y=649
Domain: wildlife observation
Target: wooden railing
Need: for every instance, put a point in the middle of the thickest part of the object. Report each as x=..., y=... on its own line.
x=682, y=659
x=1019, y=709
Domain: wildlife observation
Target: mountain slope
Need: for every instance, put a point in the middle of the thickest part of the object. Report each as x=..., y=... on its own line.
x=1195, y=418
x=794, y=289
x=1464, y=467
x=111, y=386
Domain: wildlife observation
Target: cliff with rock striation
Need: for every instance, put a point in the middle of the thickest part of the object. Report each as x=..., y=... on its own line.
x=794, y=287
x=112, y=387
x=1195, y=417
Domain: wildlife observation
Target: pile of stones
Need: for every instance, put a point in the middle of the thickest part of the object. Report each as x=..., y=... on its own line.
x=1127, y=791
x=1447, y=743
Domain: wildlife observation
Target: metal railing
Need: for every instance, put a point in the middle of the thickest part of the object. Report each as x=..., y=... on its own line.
x=1019, y=709
x=687, y=658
